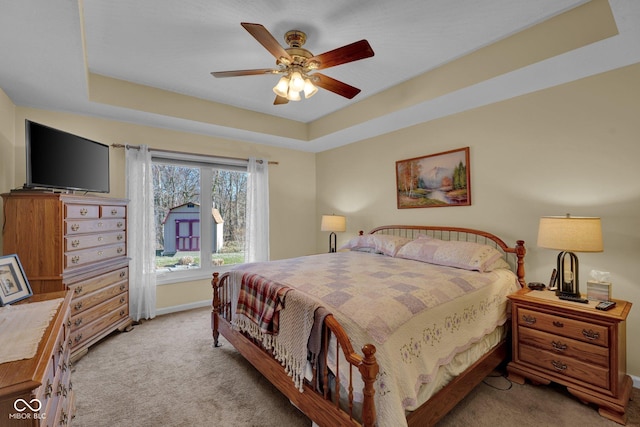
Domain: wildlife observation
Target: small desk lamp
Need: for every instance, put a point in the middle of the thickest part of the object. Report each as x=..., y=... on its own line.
x=333, y=223
x=570, y=234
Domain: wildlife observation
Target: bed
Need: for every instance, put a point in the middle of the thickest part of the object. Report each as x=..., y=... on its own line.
x=425, y=305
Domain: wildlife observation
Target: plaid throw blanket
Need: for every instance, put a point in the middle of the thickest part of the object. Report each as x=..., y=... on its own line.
x=261, y=300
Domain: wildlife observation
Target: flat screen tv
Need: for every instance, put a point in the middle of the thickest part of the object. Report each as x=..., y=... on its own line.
x=60, y=160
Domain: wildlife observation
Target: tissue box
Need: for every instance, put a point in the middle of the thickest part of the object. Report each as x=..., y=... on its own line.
x=600, y=291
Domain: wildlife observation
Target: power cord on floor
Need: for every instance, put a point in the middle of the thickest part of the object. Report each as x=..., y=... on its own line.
x=504, y=387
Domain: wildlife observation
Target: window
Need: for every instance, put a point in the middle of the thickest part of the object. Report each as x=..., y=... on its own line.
x=199, y=211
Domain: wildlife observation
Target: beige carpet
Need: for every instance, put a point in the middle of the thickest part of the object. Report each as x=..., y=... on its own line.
x=165, y=373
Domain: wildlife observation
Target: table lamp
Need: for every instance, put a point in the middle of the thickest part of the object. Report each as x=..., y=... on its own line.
x=569, y=234
x=333, y=223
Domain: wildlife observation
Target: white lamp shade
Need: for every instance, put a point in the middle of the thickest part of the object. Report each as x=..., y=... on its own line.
x=297, y=83
x=282, y=87
x=293, y=95
x=570, y=233
x=333, y=223
x=309, y=89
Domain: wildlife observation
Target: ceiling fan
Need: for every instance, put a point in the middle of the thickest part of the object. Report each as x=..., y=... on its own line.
x=298, y=65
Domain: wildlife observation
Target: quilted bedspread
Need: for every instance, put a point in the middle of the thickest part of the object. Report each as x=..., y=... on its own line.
x=418, y=315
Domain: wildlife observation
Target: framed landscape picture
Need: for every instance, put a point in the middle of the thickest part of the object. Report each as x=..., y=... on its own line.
x=436, y=180
x=13, y=282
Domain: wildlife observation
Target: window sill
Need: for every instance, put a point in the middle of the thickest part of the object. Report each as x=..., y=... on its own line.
x=189, y=275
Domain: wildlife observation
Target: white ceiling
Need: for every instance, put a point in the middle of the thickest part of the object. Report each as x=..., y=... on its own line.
x=174, y=45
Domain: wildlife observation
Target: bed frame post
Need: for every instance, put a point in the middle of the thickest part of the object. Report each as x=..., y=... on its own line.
x=520, y=252
x=369, y=370
x=215, y=283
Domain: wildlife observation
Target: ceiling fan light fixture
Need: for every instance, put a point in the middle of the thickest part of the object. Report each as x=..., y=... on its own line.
x=282, y=88
x=297, y=82
x=293, y=95
x=309, y=89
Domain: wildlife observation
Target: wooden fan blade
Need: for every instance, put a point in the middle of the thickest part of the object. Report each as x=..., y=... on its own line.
x=349, y=53
x=335, y=86
x=237, y=73
x=265, y=38
x=280, y=100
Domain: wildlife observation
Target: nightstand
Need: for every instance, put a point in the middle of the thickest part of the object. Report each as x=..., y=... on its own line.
x=572, y=344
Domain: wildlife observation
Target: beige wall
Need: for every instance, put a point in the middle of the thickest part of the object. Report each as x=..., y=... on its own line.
x=291, y=182
x=569, y=149
x=7, y=145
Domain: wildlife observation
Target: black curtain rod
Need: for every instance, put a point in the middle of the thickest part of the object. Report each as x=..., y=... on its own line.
x=137, y=147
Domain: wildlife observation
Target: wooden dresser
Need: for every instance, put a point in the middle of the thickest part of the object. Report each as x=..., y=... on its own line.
x=38, y=391
x=78, y=243
x=575, y=345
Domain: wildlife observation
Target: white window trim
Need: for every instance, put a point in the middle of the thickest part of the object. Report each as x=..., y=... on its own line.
x=207, y=163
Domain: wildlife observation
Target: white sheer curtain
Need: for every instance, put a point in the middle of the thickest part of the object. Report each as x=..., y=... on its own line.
x=257, y=211
x=141, y=234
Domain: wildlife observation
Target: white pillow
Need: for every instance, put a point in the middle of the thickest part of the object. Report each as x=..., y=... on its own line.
x=466, y=255
x=379, y=243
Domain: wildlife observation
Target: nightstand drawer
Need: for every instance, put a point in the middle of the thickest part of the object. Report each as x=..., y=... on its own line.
x=571, y=328
x=567, y=347
x=565, y=366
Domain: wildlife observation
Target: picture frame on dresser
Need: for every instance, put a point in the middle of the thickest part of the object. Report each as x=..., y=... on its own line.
x=14, y=285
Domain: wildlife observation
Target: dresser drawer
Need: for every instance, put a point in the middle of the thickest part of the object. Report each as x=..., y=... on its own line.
x=77, y=226
x=84, y=241
x=90, y=256
x=89, y=285
x=113, y=211
x=105, y=320
x=568, y=347
x=565, y=366
x=82, y=315
x=571, y=328
x=81, y=211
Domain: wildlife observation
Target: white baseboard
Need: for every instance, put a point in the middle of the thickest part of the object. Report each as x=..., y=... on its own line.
x=183, y=307
x=636, y=381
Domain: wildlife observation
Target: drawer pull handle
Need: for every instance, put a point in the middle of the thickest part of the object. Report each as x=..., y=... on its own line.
x=75, y=243
x=48, y=389
x=61, y=348
x=559, y=365
x=558, y=324
x=83, y=211
x=122, y=300
x=78, y=290
x=78, y=322
x=75, y=259
x=78, y=305
x=64, y=418
x=530, y=320
x=557, y=346
x=100, y=239
x=100, y=253
x=122, y=274
x=120, y=224
x=122, y=312
x=120, y=237
x=100, y=224
x=123, y=287
x=65, y=367
x=591, y=334
x=120, y=250
x=78, y=338
x=75, y=227
x=114, y=211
